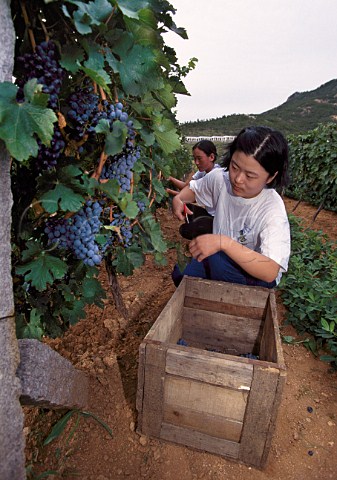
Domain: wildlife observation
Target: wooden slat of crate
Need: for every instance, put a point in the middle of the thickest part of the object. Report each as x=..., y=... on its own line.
x=140, y=383
x=210, y=368
x=210, y=424
x=205, y=398
x=167, y=327
x=221, y=307
x=271, y=347
x=199, y=440
x=233, y=333
x=273, y=418
x=152, y=389
x=226, y=297
x=260, y=415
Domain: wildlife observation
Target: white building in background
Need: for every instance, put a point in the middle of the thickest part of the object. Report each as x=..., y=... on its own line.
x=214, y=138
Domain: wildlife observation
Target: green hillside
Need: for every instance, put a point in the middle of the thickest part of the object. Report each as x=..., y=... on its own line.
x=301, y=112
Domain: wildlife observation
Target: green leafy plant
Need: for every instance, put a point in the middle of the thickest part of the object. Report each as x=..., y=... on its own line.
x=314, y=166
x=72, y=420
x=309, y=289
x=91, y=128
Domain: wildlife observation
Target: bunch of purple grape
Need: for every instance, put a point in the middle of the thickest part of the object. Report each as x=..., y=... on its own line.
x=124, y=236
x=84, y=111
x=44, y=66
x=78, y=233
x=120, y=167
x=48, y=156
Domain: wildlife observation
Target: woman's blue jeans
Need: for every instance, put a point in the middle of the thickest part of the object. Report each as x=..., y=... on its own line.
x=218, y=267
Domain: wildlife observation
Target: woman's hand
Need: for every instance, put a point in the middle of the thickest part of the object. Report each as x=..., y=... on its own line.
x=179, y=208
x=206, y=245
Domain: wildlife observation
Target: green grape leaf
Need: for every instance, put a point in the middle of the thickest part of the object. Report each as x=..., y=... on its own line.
x=110, y=188
x=128, y=259
x=152, y=229
x=73, y=311
x=100, y=77
x=147, y=136
x=43, y=270
x=95, y=56
x=20, y=122
x=115, y=140
x=103, y=126
x=138, y=68
x=167, y=136
x=166, y=97
x=160, y=259
x=33, y=249
x=159, y=187
x=92, y=289
x=88, y=14
x=131, y=8
x=144, y=30
x=63, y=197
x=72, y=56
x=128, y=206
x=33, y=329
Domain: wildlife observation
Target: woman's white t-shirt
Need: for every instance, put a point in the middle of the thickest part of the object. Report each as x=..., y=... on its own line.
x=259, y=223
x=199, y=175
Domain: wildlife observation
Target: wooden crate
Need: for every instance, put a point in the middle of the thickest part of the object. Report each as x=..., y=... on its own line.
x=205, y=395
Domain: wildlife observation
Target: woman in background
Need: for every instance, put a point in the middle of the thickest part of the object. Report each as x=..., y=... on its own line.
x=204, y=155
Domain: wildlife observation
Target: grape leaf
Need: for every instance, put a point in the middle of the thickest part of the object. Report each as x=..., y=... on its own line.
x=166, y=135
x=19, y=122
x=73, y=311
x=152, y=228
x=138, y=67
x=100, y=77
x=92, y=289
x=128, y=259
x=71, y=57
x=128, y=206
x=88, y=14
x=110, y=188
x=159, y=188
x=33, y=329
x=115, y=140
x=131, y=8
x=43, y=270
x=166, y=97
x=61, y=196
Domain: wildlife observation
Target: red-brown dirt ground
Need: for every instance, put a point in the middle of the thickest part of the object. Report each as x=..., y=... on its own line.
x=109, y=354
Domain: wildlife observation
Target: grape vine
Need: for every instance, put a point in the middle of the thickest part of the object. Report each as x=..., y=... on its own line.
x=89, y=123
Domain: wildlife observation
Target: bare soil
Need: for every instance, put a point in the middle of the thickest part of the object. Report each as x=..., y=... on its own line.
x=304, y=445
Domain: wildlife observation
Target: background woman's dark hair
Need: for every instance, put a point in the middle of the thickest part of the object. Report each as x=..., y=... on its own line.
x=207, y=147
x=268, y=146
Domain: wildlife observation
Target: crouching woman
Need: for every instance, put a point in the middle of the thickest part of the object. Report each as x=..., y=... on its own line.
x=250, y=243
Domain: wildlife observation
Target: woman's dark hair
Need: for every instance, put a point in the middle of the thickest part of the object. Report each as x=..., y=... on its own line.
x=207, y=147
x=268, y=146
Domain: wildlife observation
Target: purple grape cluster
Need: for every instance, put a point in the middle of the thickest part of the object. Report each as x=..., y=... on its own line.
x=124, y=236
x=120, y=167
x=84, y=111
x=48, y=156
x=141, y=205
x=44, y=66
x=78, y=233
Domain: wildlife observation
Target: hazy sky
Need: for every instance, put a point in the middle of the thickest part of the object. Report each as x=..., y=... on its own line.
x=252, y=54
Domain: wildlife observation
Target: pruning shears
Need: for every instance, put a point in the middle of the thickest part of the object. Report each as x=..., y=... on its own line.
x=185, y=213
